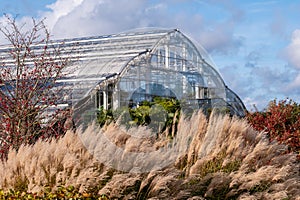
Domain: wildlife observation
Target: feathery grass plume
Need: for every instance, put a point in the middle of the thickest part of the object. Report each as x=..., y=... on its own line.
x=219, y=158
x=49, y=164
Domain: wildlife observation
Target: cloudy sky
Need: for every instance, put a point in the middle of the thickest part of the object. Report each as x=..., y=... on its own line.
x=255, y=44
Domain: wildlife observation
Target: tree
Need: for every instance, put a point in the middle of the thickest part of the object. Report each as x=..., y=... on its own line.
x=29, y=70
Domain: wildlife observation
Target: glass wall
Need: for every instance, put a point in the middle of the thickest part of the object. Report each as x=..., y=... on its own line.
x=126, y=69
x=174, y=68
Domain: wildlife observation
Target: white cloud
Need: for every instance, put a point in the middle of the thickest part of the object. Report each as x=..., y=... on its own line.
x=75, y=18
x=254, y=104
x=25, y=23
x=221, y=39
x=296, y=82
x=294, y=86
x=97, y=17
x=292, y=55
x=60, y=9
x=292, y=52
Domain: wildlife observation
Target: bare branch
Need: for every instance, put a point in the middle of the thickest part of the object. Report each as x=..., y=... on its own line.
x=28, y=73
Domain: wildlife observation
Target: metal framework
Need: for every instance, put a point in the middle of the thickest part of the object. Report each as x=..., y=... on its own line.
x=113, y=71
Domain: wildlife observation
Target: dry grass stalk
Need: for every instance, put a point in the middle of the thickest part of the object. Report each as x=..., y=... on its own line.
x=222, y=154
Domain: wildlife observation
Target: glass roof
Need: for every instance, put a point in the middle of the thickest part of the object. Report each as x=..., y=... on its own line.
x=95, y=59
x=103, y=56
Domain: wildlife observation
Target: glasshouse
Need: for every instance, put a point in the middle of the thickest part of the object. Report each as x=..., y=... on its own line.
x=126, y=69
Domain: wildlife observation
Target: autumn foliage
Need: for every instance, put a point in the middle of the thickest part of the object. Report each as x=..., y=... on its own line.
x=281, y=121
x=29, y=70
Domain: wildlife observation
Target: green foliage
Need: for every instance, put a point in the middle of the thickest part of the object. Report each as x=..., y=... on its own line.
x=216, y=165
x=21, y=183
x=218, y=110
x=232, y=166
x=141, y=115
x=161, y=114
x=61, y=192
x=199, y=185
x=262, y=186
x=104, y=116
x=281, y=120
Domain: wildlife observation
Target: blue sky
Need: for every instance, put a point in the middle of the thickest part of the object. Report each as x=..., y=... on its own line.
x=254, y=44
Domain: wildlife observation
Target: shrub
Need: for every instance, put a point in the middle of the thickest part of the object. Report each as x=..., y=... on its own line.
x=281, y=120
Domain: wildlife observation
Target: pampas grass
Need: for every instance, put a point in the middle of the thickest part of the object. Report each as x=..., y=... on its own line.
x=222, y=157
x=62, y=162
